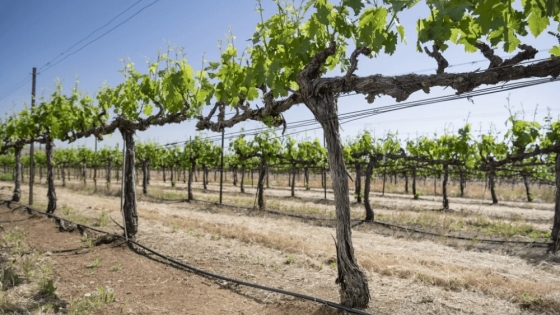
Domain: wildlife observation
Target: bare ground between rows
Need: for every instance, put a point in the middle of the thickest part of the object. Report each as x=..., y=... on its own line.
x=316, y=193
x=538, y=212
x=324, y=210
x=405, y=277
x=533, y=252
x=142, y=285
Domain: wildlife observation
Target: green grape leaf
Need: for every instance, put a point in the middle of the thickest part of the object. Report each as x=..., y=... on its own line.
x=537, y=22
x=555, y=51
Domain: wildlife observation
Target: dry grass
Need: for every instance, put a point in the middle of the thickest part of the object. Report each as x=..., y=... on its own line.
x=474, y=190
x=443, y=223
x=26, y=279
x=491, y=280
x=440, y=222
x=401, y=261
x=530, y=292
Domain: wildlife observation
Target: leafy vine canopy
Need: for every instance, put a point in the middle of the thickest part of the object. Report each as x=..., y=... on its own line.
x=170, y=86
x=285, y=43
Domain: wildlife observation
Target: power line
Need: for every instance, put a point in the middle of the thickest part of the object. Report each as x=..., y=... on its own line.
x=88, y=36
x=18, y=86
x=52, y=62
x=99, y=37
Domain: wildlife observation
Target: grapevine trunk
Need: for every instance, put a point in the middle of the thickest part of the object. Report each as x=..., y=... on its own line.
x=358, y=186
x=51, y=193
x=444, y=186
x=17, y=177
x=354, y=291
x=369, y=171
x=556, y=225
x=260, y=185
x=129, y=204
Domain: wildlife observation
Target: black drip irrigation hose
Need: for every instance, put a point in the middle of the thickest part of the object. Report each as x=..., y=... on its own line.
x=267, y=211
x=389, y=225
x=206, y=273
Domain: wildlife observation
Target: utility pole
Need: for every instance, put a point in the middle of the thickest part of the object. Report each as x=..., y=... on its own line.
x=31, y=147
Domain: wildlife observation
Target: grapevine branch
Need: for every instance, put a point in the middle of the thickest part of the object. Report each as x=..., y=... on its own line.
x=527, y=52
x=399, y=87
x=403, y=156
x=488, y=53
x=441, y=61
x=121, y=122
x=494, y=164
x=354, y=62
x=272, y=108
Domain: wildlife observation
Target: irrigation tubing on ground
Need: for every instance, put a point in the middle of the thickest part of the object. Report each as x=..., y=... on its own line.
x=459, y=237
x=267, y=211
x=206, y=273
x=246, y=208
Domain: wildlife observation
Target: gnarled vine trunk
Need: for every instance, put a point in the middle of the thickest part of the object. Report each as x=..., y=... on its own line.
x=414, y=193
x=84, y=173
x=51, y=193
x=266, y=174
x=358, y=183
x=145, y=173
x=384, y=180
x=207, y=172
x=445, y=202
x=491, y=183
x=63, y=171
x=462, y=182
x=369, y=171
x=241, y=184
x=260, y=185
x=354, y=291
x=527, y=189
x=17, y=175
x=556, y=225
x=204, y=177
x=95, y=177
x=129, y=184
x=189, y=184
x=405, y=174
x=108, y=174
x=293, y=184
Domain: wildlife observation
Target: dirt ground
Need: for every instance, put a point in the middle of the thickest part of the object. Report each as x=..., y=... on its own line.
x=407, y=273
x=141, y=284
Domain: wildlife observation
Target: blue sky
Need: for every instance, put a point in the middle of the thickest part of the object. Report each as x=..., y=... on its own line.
x=34, y=33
